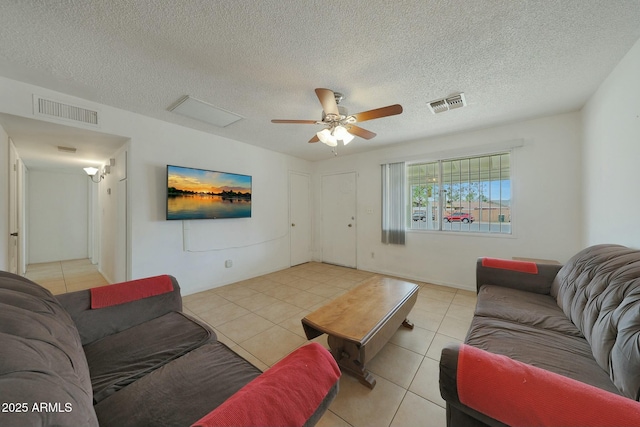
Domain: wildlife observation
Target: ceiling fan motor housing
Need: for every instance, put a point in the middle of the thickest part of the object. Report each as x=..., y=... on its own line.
x=330, y=118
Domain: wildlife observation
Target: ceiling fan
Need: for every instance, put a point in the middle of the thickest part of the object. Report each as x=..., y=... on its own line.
x=340, y=126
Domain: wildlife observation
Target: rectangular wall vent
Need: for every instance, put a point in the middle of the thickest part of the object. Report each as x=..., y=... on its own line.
x=50, y=108
x=446, y=104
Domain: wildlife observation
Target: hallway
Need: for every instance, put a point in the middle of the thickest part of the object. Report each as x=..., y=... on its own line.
x=60, y=277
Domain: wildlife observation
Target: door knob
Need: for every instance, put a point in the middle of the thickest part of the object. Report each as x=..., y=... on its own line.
x=14, y=234
x=349, y=225
x=293, y=225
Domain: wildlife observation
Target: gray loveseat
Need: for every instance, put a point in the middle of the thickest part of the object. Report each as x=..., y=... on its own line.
x=550, y=345
x=127, y=356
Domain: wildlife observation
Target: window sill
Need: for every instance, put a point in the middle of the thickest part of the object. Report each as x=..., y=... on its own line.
x=463, y=233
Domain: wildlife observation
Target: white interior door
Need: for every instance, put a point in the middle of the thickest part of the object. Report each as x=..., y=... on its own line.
x=300, y=218
x=339, y=219
x=13, y=210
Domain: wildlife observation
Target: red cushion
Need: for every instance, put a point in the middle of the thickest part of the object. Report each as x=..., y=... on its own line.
x=510, y=264
x=287, y=394
x=518, y=394
x=120, y=293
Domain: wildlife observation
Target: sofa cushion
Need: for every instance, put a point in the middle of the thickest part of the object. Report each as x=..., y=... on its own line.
x=599, y=290
x=41, y=359
x=514, y=305
x=563, y=354
x=120, y=359
x=96, y=324
x=180, y=392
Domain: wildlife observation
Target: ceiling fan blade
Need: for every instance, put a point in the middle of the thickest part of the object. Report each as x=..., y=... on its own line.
x=362, y=133
x=390, y=110
x=306, y=122
x=328, y=100
x=314, y=139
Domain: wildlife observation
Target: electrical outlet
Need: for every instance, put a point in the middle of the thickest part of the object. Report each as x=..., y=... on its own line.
x=228, y=263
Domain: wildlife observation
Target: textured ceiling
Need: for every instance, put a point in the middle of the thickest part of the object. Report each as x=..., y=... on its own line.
x=262, y=59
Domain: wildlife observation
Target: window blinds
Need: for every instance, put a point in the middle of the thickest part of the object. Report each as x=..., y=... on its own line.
x=393, y=203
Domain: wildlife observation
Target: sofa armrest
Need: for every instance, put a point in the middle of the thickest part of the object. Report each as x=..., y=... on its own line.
x=517, y=394
x=522, y=275
x=296, y=391
x=457, y=413
x=96, y=323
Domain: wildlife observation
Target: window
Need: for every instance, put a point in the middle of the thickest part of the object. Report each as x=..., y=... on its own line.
x=467, y=194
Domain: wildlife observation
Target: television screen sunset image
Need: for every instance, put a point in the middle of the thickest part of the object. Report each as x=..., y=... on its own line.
x=203, y=194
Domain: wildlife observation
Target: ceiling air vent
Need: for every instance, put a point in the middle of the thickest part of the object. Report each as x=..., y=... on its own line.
x=54, y=109
x=205, y=112
x=67, y=149
x=446, y=104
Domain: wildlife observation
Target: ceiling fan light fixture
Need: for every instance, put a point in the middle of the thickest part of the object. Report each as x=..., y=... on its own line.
x=341, y=133
x=332, y=142
x=326, y=137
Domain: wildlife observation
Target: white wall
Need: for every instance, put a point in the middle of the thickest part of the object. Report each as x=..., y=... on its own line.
x=196, y=251
x=4, y=199
x=546, y=202
x=547, y=186
x=196, y=256
x=112, y=220
x=611, y=134
x=57, y=217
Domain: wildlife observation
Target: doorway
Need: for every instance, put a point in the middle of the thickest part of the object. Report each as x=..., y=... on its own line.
x=339, y=237
x=36, y=153
x=16, y=232
x=299, y=218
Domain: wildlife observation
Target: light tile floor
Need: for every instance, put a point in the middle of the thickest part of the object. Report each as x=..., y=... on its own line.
x=66, y=276
x=260, y=318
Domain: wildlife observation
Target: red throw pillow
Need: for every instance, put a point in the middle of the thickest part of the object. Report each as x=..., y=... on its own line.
x=120, y=293
x=287, y=394
x=510, y=264
x=518, y=394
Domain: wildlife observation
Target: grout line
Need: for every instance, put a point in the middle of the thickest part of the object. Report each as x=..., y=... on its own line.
x=64, y=279
x=406, y=391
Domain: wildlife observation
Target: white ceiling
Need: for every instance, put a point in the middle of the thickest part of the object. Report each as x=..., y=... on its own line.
x=38, y=141
x=513, y=59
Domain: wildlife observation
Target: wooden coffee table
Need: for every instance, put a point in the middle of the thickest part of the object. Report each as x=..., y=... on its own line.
x=360, y=322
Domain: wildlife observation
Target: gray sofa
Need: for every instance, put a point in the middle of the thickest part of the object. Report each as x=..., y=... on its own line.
x=130, y=357
x=545, y=337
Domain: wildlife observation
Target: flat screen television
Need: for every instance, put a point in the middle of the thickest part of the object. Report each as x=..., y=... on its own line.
x=205, y=194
